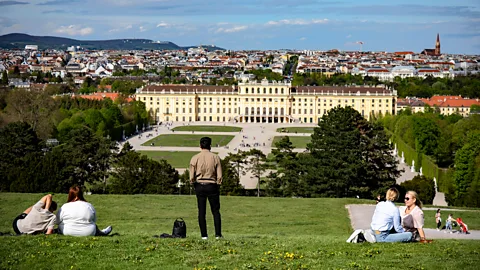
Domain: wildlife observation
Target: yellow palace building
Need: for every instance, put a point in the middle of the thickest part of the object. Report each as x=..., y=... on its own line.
x=261, y=102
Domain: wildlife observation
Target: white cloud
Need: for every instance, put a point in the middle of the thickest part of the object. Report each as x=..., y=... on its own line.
x=163, y=24
x=232, y=29
x=129, y=26
x=297, y=22
x=349, y=36
x=74, y=30
x=142, y=29
x=303, y=38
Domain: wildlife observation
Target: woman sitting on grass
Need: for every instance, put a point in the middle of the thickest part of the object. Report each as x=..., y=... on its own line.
x=412, y=216
x=77, y=217
x=386, y=221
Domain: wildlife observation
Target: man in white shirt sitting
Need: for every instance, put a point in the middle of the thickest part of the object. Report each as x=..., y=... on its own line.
x=38, y=218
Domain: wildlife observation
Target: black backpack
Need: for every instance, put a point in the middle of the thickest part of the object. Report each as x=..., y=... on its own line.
x=179, y=228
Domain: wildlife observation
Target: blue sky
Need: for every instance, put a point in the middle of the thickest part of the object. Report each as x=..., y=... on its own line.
x=257, y=24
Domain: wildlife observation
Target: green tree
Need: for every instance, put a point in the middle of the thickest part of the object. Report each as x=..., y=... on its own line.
x=256, y=159
x=18, y=141
x=86, y=155
x=32, y=107
x=134, y=173
x=351, y=156
x=466, y=169
x=424, y=186
x=4, y=78
x=230, y=175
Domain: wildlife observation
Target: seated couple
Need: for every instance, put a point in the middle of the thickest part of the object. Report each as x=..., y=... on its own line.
x=404, y=224
x=77, y=217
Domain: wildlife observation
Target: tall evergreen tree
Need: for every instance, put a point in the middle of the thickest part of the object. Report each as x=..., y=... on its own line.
x=351, y=156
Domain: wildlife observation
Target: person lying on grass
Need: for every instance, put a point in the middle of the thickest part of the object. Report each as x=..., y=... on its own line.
x=38, y=218
x=77, y=217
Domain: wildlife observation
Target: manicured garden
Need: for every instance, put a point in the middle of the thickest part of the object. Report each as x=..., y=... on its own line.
x=296, y=129
x=260, y=233
x=185, y=140
x=177, y=159
x=297, y=141
x=208, y=128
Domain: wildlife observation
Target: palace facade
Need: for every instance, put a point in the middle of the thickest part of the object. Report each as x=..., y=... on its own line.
x=263, y=102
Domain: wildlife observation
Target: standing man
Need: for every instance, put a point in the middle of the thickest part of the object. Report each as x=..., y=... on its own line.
x=206, y=176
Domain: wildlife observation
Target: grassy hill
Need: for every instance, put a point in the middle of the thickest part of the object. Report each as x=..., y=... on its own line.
x=260, y=233
x=16, y=40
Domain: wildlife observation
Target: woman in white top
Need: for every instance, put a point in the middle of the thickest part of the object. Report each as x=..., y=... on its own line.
x=77, y=217
x=412, y=216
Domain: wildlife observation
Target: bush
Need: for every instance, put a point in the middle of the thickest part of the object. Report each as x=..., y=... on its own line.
x=424, y=187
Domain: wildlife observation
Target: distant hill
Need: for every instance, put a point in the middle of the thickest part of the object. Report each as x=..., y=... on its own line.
x=16, y=40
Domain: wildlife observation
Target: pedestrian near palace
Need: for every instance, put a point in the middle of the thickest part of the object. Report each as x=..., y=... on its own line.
x=438, y=220
x=206, y=176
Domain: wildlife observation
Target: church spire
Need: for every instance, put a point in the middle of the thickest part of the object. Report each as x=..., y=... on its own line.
x=437, y=45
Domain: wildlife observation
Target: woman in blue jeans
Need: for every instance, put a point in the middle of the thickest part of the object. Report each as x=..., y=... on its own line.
x=386, y=221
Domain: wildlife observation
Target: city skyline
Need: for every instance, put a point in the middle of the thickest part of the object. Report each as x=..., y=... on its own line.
x=256, y=24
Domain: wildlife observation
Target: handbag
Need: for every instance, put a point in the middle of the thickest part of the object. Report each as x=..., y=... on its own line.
x=179, y=228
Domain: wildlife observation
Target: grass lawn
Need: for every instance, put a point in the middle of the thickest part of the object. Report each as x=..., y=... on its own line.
x=297, y=141
x=187, y=140
x=208, y=128
x=296, y=129
x=176, y=159
x=260, y=233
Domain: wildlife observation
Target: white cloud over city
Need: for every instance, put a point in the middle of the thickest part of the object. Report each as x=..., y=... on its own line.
x=74, y=30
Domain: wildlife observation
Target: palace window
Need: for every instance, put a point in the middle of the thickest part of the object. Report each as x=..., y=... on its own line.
x=276, y=90
x=204, y=110
x=258, y=90
x=264, y=90
x=270, y=90
x=218, y=110
x=246, y=90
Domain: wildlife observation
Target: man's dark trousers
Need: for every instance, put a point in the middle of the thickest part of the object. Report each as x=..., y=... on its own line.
x=212, y=193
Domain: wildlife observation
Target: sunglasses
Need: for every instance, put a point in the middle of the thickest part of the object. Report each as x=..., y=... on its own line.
x=407, y=199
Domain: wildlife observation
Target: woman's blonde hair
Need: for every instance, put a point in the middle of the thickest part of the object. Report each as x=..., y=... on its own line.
x=392, y=195
x=417, y=200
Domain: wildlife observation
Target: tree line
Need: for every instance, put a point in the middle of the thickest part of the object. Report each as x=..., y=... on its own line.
x=451, y=142
x=55, y=117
